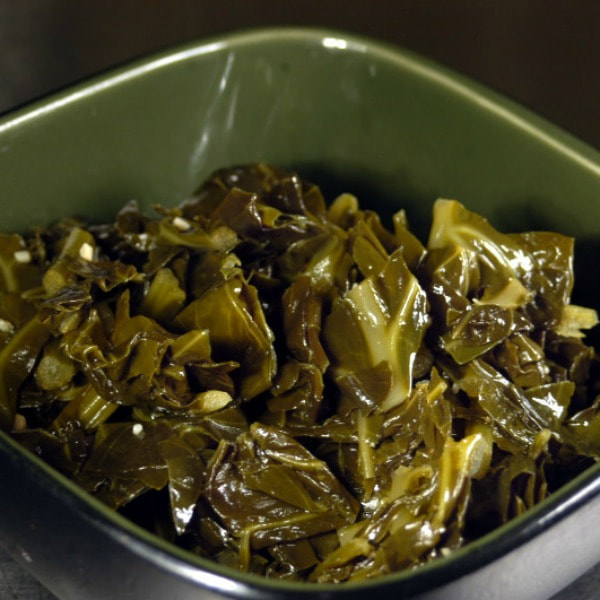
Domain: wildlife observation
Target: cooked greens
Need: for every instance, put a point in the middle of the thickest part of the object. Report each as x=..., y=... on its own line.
x=291, y=388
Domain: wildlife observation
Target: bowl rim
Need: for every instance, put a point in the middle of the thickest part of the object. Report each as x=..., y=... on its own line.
x=221, y=579
x=334, y=40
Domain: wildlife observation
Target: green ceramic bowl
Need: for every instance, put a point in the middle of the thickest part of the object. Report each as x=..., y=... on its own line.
x=353, y=115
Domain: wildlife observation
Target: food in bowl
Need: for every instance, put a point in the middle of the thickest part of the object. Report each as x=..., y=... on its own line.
x=291, y=388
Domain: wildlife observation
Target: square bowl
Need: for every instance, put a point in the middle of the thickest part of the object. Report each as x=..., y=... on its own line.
x=353, y=115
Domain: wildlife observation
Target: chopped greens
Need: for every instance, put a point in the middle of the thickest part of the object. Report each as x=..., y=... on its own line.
x=292, y=389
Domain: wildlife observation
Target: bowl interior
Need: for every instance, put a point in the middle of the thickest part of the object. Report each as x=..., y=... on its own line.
x=353, y=115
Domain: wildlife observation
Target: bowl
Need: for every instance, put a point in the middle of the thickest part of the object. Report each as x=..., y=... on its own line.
x=353, y=115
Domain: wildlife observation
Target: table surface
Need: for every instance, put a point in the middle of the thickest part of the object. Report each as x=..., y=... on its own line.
x=543, y=55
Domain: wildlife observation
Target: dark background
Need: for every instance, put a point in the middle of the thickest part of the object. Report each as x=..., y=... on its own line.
x=542, y=53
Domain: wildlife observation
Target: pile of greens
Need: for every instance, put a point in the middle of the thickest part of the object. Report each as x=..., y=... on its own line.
x=292, y=389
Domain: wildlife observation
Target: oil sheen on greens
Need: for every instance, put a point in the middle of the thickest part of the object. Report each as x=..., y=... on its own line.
x=291, y=388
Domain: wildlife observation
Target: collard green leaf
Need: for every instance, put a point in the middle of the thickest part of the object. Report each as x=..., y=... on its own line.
x=186, y=472
x=291, y=388
x=299, y=390
x=164, y=298
x=302, y=319
x=266, y=488
x=374, y=332
x=17, y=360
x=500, y=257
x=129, y=451
x=238, y=331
